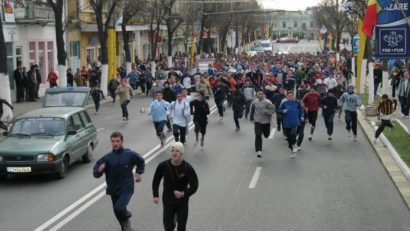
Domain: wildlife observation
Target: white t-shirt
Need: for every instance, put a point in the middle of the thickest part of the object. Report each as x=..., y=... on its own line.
x=330, y=82
x=187, y=82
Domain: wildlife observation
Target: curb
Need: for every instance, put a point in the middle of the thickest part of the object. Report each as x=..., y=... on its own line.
x=392, y=164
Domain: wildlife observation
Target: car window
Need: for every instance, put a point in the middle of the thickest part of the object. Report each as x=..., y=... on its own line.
x=76, y=124
x=85, y=118
x=39, y=126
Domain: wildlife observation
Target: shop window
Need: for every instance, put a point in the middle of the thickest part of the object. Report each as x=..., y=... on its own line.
x=41, y=60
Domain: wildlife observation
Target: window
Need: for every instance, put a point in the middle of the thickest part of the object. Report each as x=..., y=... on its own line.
x=86, y=118
x=32, y=52
x=89, y=52
x=75, y=49
x=295, y=24
x=10, y=63
x=50, y=56
x=284, y=24
x=76, y=122
x=311, y=24
x=41, y=60
x=18, y=54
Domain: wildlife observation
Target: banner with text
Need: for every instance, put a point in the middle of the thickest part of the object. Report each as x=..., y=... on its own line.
x=392, y=29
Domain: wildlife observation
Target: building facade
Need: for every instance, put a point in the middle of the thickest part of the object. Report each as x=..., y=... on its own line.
x=300, y=24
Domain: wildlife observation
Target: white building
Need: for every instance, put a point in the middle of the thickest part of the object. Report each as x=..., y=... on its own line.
x=30, y=39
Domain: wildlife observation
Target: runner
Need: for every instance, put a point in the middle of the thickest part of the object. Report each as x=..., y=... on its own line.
x=238, y=106
x=179, y=113
x=385, y=112
x=180, y=183
x=329, y=107
x=124, y=90
x=350, y=101
x=277, y=100
x=200, y=109
x=261, y=114
x=220, y=93
x=169, y=96
x=293, y=114
x=249, y=92
x=311, y=102
x=118, y=166
x=158, y=110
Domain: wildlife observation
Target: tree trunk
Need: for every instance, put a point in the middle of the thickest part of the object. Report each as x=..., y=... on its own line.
x=4, y=78
x=125, y=40
x=201, y=36
x=102, y=35
x=209, y=47
x=223, y=41
x=170, y=37
x=61, y=53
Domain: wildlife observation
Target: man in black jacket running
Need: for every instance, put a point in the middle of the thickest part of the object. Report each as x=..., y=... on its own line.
x=180, y=182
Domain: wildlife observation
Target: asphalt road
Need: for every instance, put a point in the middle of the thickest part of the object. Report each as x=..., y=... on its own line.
x=331, y=185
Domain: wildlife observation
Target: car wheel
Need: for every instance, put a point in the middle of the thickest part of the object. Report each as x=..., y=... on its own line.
x=63, y=168
x=88, y=157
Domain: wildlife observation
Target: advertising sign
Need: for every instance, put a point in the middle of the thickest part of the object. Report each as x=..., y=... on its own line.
x=392, y=30
x=356, y=43
x=9, y=11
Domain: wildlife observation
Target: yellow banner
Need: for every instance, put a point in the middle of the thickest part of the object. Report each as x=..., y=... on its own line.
x=112, y=53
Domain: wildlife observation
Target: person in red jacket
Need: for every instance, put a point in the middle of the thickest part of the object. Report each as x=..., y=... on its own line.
x=52, y=78
x=311, y=101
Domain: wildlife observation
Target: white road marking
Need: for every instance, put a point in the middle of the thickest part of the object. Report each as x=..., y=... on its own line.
x=272, y=133
x=71, y=207
x=149, y=156
x=255, y=177
x=100, y=129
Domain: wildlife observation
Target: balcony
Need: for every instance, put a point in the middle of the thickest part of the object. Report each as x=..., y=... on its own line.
x=34, y=12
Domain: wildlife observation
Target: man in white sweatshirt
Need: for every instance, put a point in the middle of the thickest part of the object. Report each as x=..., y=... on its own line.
x=179, y=113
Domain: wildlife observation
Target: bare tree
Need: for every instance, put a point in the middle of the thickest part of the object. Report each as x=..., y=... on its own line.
x=98, y=7
x=57, y=6
x=130, y=9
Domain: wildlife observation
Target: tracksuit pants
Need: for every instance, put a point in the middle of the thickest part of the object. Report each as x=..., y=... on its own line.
x=351, y=121
x=119, y=204
x=175, y=212
x=259, y=130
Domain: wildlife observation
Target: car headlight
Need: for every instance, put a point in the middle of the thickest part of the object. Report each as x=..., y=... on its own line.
x=46, y=157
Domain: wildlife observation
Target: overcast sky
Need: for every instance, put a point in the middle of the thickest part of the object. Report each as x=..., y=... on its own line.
x=288, y=4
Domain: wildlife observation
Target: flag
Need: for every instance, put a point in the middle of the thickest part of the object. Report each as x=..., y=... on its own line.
x=370, y=17
x=323, y=30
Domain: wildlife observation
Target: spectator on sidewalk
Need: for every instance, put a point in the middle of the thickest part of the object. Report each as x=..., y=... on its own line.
x=403, y=92
x=52, y=78
x=378, y=77
x=18, y=78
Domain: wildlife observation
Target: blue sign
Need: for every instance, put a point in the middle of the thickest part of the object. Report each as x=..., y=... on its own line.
x=392, y=30
x=356, y=43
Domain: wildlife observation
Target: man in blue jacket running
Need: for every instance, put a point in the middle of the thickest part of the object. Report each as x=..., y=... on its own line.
x=293, y=114
x=117, y=166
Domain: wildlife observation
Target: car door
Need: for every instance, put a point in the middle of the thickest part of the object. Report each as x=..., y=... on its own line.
x=75, y=141
x=90, y=130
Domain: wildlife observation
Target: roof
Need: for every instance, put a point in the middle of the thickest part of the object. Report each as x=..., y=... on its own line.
x=62, y=112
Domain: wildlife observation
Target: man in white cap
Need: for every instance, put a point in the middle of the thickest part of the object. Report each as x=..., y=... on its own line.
x=180, y=182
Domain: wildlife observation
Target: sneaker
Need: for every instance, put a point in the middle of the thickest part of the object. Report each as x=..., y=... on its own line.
x=310, y=138
x=299, y=148
x=126, y=226
x=354, y=137
x=329, y=138
x=220, y=118
x=259, y=154
x=196, y=143
x=163, y=138
x=374, y=141
x=237, y=129
x=407, y=117
x=349, y=133
x=123, y=118
x=294, y=149
x=96, y=113
x=292, y=155
x=202, y=142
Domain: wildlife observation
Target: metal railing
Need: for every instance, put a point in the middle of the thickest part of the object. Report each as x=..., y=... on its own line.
x=34, y=10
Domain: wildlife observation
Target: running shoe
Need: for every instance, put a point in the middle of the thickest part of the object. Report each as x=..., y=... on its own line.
x=292, y=155
x=374, y=141
x=259, y=154
x=354, y=137
x=294, y=149
x=299, y=148
x=349, y=133
x=329, y=138
x=310, y=138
